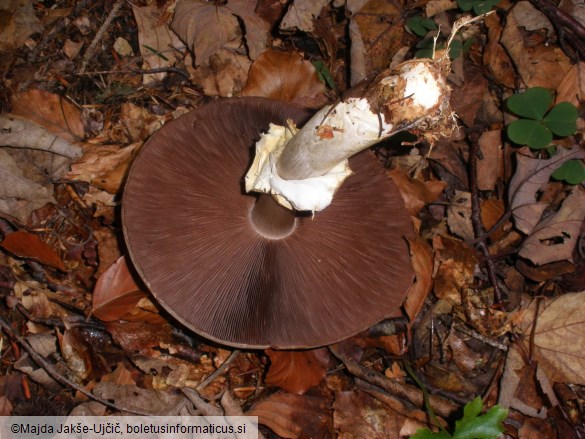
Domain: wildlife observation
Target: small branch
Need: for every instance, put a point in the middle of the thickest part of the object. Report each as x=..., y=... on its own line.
x=176, y=70
x=41, y=362
x=219, y=371
x=443, y=407
x=476, y=221
x=90, y=52
x=204, y=407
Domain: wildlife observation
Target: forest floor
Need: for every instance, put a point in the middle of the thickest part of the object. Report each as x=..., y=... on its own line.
x=497, y=309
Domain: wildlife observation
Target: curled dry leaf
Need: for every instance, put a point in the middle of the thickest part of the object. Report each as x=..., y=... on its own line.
x=554, y=238
x=285, y=76
x=422, y=262
x=416, y=193
x=459, y=215
x=115, y=293
x=51, y=111
x=531, y=177
x=559, y=337
x=301, y=15
x=297, y=371
x=293, y=416
x=28, y=246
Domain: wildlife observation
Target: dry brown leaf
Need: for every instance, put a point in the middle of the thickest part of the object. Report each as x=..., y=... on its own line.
x=490, y=167
x=17, y=21
x=120, y=375
x=531, y=177
x=301, y=15
x=531, y=18
x=255, y=28
x=297, y=371
x=572, y=86
x=421, y=256
x=285, y=76
x=457, y=262
x=433, y=7
x=559, y=337
x=459, y=215
x=28, y=246
x=538, y=66
x=373, y=41
x=115, y=293
x=416, y=193
x=495, y=57
x=51, y=111
x=293, y=416
x=359, y=415
x=224, y=75
x=103, y=166
x=139, y=336
x=466, y=100
x=491, y=212
x=75, y=353
x=157, y=403
x=554, y=238
x=205, y=27
x=155, y=36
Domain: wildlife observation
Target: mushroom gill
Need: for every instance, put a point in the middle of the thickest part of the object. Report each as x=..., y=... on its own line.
x=193, y=235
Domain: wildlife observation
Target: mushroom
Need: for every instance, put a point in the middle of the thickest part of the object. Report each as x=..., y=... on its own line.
x=242, y=270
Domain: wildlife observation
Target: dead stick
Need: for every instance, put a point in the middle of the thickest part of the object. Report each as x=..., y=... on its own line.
x=476, y=221
x=41, y=362
x=90, y=52
x=441, y=406
x=219, y=371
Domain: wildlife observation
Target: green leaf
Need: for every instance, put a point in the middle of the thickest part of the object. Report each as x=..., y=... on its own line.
x=483, y=7
x=474, y=426
x=572, y=171
x=562, y=119
x=420, y=25
x=532, y=104
x=529, y=132
x=465, y=5
x=425, y=433
x=324, y=74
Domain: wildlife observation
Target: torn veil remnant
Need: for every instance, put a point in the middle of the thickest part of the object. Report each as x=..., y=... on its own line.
x=241, y=269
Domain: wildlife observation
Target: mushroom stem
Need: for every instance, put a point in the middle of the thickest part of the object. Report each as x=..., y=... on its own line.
x=271, y=220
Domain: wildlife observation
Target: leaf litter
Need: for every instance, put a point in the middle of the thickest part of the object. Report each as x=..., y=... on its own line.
x=62, y=261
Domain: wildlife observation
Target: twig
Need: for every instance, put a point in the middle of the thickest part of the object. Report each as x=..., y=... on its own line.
x=476, y=221
x=176, y=70
x=443, y=407
x=41, y=362
x=219, y=371
x=90, y=52
x=204, y=407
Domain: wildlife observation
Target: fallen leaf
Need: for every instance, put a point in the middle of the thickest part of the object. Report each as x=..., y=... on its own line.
x=459, y=215
x=416, y=193
x=358, y=415
x=139, y=336
x=301, y=15
x=205, y=27
x=538, y=66
x=255, y=28
x=103, y=166
x=554, y=238
x=75, y=353
x=421, y=256
x=293, y=416
x=156, y=41
x=224, y=75
x=491, y=212
x=558, y=341
x=18, y=22
x=297, y=371
x=28, y=246
x=490, y=167
x=495, y=58
x=285, y=76
x=466, y=100
x=115, y=293
x=572, y=86
x=51, y=111
x=531, y=176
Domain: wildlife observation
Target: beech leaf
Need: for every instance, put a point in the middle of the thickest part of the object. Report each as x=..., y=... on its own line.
x=28, y=246
x=115, y=293
x=297, y=371
x=554, y=239
x=532, y=175
x=285, y=76
x=558, y=342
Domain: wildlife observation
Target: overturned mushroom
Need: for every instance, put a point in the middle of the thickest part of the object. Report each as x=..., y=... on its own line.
x=245, y=271
x=248, y=272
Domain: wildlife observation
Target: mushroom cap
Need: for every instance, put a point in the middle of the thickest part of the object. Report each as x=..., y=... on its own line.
x=186, y=224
